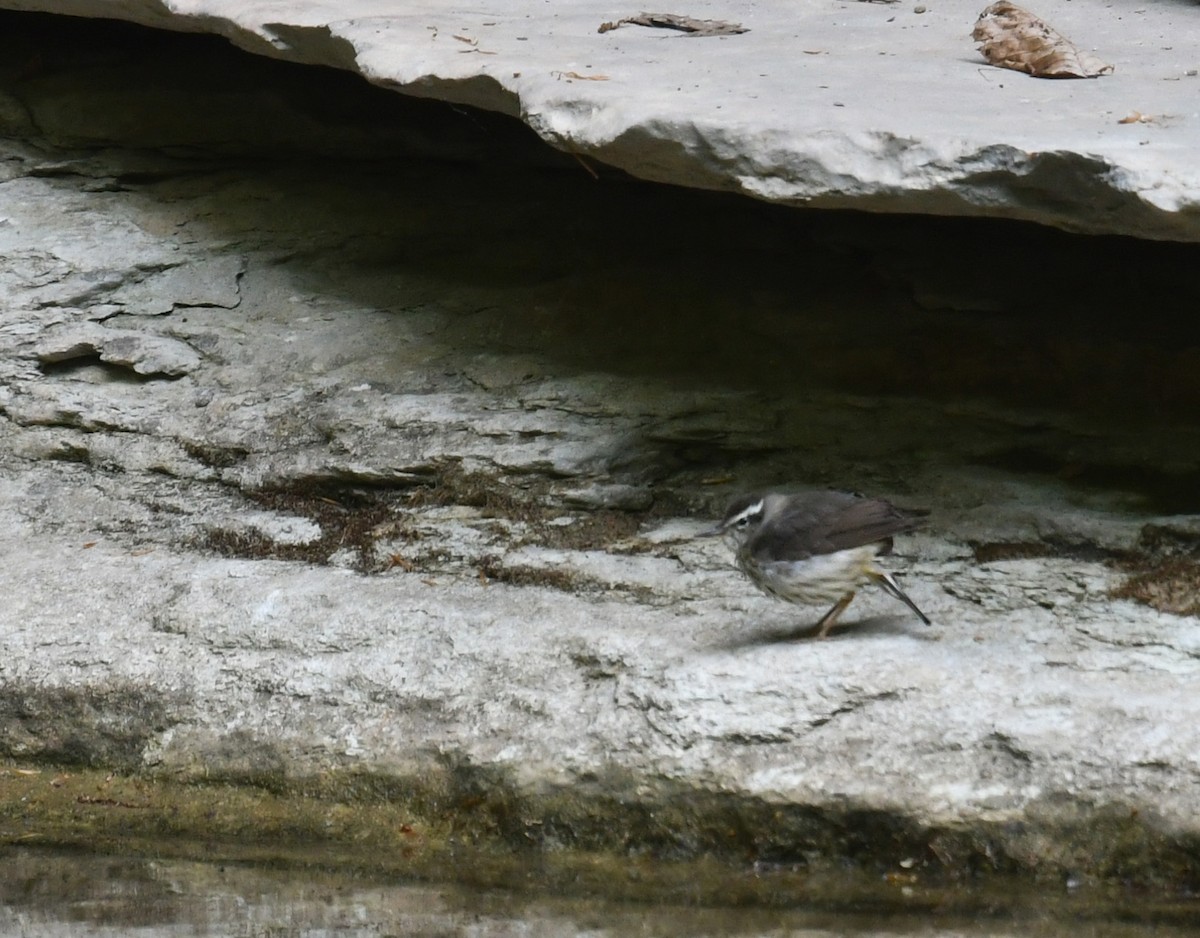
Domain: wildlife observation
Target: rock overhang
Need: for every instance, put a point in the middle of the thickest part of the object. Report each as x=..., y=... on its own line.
x=832, y=104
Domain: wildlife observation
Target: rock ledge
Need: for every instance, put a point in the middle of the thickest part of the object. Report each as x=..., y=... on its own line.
x=836, y=104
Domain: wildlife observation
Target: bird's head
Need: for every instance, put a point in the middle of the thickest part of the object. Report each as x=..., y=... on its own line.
x=742, y=518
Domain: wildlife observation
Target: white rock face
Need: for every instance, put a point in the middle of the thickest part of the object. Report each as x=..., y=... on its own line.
x=870, y=106
x=483, y=631
x=347, y=466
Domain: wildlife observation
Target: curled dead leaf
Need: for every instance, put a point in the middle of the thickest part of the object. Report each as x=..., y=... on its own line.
x=684, y=24
x=1011, y=37
x=1137, y=117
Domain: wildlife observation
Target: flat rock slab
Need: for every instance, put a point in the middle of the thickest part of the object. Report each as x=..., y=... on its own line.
x=378, y=520
x=385, y=469
x=872, y=106
x=146, y=355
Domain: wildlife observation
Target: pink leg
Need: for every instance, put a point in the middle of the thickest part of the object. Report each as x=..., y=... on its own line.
x=831, y=616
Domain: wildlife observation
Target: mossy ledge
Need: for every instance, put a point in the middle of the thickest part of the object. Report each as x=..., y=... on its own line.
x=471, y=825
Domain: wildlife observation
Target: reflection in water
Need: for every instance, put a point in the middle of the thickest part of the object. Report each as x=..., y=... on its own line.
x=49, y=893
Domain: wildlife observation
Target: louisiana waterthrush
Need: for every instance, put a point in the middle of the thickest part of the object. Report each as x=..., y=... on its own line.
x=816, y=547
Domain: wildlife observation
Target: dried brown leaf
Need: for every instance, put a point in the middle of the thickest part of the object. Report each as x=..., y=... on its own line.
x=1013, y=38
x=579, y=77
x=685, y=24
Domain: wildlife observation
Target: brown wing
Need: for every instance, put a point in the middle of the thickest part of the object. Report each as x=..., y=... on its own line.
x=827, y=522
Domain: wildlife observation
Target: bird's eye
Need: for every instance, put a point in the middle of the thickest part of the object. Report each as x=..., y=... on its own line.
x=743, y=522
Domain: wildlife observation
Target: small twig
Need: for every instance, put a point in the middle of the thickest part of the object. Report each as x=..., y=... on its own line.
x=582, y=162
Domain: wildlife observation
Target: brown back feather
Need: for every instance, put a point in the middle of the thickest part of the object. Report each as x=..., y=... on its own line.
x=825, y=522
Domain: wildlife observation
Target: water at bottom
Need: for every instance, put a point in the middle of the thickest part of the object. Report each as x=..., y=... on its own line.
x=46, y=894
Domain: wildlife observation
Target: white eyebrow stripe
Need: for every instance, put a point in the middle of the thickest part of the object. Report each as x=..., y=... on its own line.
x=749, y=512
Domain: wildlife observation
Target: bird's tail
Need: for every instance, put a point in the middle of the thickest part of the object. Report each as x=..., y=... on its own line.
x=893, y=589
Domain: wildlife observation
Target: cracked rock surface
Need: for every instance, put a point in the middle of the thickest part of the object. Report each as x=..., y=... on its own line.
x=313, y=464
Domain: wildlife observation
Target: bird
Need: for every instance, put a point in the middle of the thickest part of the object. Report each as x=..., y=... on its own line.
x=816, y=546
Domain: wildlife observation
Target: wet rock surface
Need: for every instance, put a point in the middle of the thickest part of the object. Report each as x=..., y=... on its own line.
x=49, y=894
x=388, y=465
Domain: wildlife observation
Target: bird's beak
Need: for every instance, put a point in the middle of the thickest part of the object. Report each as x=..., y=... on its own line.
x=715, y=531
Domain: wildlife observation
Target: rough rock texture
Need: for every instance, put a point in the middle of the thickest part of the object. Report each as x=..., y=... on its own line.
x=385, y=464
x=832, y=103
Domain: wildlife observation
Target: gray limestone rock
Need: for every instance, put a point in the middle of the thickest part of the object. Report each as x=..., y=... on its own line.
x=424, y=483
x=207, y=282
x=854, y=105
x=144, y=354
